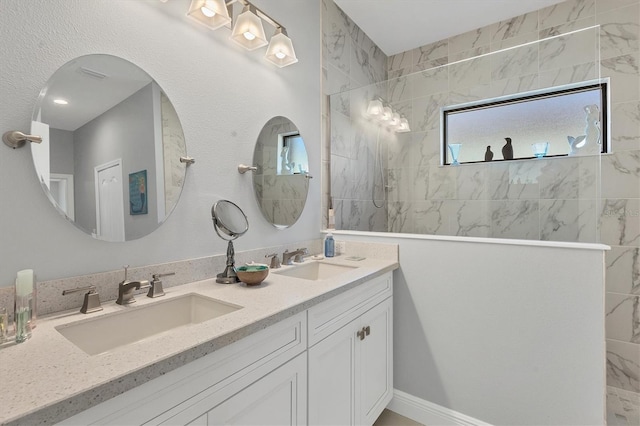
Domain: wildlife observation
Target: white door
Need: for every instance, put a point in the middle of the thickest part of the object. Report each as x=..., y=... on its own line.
x=61, y=188
x=109, y=201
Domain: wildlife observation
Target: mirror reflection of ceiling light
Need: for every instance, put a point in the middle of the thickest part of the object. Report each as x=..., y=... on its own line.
x=60, y=102
x=247, y=27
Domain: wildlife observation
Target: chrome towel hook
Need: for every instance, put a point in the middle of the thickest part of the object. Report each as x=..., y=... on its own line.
x=16, y=139
x=243, y=168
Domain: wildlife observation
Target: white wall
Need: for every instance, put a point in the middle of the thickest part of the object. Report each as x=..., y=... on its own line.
x=222, y=93
x=508, y=334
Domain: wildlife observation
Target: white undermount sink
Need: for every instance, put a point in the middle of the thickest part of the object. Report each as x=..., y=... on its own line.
x=315, y=271
x=102, y=334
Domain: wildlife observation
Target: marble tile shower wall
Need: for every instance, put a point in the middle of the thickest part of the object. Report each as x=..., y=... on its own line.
x=488, y=201
x=350, y=60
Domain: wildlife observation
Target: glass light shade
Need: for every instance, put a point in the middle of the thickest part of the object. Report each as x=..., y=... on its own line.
x=386, y=114
x=403, y=127
x=248, y=31
x=212, y=13
x=375, y=107
x=395, y=119
x=280, y=51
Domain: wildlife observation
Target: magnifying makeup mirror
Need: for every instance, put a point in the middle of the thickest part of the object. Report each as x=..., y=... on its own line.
x=230, y=222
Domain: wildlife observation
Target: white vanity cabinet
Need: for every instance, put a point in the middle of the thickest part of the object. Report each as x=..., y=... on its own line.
x=331, y=364
x=260, y=379
x=351, y=355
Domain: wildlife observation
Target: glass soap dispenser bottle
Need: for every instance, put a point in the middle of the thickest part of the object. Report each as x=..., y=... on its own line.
x=24, y=304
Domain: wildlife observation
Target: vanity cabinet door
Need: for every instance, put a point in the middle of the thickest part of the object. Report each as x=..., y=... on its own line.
x=374, y=355
x=351, y=371
x=332, y=364
x=277, y=399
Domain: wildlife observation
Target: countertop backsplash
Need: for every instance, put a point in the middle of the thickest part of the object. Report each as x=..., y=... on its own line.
x=50, y=298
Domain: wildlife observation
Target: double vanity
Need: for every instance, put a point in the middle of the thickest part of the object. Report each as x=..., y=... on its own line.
x=311, y=344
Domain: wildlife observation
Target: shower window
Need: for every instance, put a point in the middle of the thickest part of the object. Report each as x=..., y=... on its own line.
x=293, y=155
x=560, y=121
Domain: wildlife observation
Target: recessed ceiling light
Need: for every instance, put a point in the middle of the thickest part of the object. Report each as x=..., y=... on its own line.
x=60, y=101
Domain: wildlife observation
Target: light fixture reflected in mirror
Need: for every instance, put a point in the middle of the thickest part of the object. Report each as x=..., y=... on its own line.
x=375, y=108
x=280, y=51
x=248, y=31
x=385, y=115
x=212, y=13
x=403, y=127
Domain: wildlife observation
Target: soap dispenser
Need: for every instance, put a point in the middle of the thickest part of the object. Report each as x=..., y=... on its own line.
x=329, y=246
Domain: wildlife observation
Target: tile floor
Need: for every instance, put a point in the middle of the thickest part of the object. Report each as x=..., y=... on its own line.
x=390, y=418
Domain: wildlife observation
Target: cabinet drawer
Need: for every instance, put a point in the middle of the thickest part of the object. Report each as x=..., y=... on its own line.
x=264, y=350
x=329, y=316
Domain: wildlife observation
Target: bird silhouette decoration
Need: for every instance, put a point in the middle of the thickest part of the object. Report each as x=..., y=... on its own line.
x=488, y=155
x=507, y=150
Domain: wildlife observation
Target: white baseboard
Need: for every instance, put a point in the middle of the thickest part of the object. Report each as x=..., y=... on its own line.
x=428, y=413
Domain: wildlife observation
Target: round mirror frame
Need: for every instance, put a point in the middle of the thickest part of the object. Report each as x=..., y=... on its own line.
x=130, y=93
x=281, y=181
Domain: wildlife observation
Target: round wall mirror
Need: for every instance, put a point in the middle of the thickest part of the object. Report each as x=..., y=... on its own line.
x=281, y=181
x=112, y=142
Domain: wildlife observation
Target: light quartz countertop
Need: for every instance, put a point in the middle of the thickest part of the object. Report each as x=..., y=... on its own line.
x=47, y=378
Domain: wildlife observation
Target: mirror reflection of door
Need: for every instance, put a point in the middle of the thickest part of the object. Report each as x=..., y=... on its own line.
x=61, y=187
x=109, y=201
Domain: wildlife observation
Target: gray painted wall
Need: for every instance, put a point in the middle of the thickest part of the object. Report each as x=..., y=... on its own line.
x=222, y=94
x=62, y=156
x=124, y=132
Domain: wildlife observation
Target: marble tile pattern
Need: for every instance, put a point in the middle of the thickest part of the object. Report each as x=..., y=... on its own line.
x=566, y=199
x=623, y=407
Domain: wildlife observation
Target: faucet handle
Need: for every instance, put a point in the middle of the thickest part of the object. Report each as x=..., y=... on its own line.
x=125, y=273
x=155, y=289
x=91, y=302
x=275, y=261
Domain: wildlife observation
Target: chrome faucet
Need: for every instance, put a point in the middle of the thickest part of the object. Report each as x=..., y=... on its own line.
x=126, y=288
x=298, y=254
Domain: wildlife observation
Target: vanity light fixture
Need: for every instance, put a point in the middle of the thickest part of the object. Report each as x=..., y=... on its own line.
x=248, y=31
x=212, y=13
x=280, y=51
x=246, y=28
